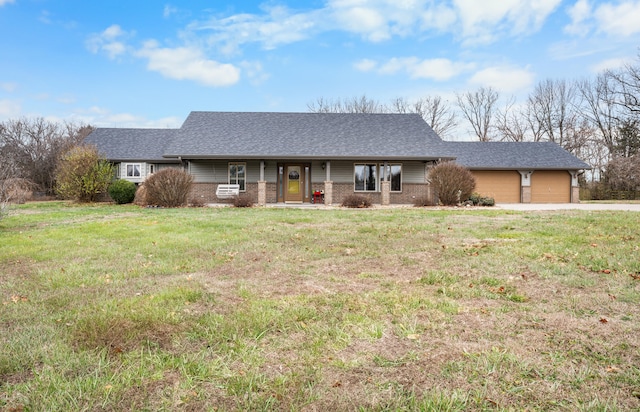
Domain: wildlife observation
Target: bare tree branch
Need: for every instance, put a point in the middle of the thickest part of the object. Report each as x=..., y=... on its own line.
x=479, y=108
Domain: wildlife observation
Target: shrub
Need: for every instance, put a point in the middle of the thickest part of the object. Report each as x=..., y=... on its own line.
x=14, y=190
x=242, y=201
x=140, y=199
x=356, y=201
x=122, y=191
x=476, y=200
x=82, y=174
x=487, y=201
x=168, y=188
x=451, y=183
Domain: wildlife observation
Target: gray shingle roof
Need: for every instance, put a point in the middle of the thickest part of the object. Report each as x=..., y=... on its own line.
x=264, y=135
x=514, y=155
x=305, y=135
x=132, y=144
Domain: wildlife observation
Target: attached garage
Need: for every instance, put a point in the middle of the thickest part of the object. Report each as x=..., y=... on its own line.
x=502, y=185
x=528, y=172
x=550, y=186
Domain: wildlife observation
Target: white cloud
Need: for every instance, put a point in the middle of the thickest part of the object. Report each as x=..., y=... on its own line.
x=9, y=109
x=180, y=63
x=108, y=41
x=610, y=64
x=102, y=117
x=504, y=78
x=168, y=11
x=255, y=72
x=276, y=27
x=436, y=69
x=367, y=21
x=439, y=17
x=3, y=2
x=187, y=63
x=483, y=21
x=365, y=65
x=620, y=19
x=579, y=13
x=472, y=21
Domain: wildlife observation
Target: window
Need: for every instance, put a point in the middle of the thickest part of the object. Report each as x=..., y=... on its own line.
x=133, y=170
x=237, y=175
x=365, y=177
x=394, y=175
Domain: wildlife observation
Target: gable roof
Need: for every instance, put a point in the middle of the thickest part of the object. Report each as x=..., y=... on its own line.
x=265, y=135
x=514, y=155
x=354, y=136
x=120, y=145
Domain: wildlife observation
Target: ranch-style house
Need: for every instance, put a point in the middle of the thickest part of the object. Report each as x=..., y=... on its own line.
x=277, y=157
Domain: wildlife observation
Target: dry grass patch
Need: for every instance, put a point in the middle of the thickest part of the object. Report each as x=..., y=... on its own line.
x=244, y=309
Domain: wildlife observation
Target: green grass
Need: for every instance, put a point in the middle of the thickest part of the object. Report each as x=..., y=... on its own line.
x=106, y=307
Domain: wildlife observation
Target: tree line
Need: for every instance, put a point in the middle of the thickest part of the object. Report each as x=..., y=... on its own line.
x=31, y=148
x=597, y=119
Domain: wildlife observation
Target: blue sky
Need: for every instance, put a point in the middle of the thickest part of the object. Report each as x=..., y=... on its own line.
x=148, y=64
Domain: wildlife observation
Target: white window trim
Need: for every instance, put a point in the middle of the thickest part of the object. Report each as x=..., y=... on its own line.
x=244, y=164
x=390, y=166
x=380, y=171
x=125, y=170
x=377, y=168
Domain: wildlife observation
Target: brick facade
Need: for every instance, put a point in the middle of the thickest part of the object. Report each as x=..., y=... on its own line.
x=206, y=193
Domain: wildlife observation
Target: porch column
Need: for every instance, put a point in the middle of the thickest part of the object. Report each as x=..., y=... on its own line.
x=328, y=192
x=328, y=184
x=575, y=187
x=262, y=187
x=525, y=185
x=385, y=189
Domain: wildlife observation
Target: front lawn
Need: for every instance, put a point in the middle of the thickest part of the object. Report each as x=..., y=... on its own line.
x=114, y=308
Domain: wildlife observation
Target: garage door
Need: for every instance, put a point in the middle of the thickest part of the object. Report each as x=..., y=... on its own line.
x=503, y=186
x=550, y=186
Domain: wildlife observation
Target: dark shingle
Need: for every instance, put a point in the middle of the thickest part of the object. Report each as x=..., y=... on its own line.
x=132, y=144
x=307, y=135
x=514, y=155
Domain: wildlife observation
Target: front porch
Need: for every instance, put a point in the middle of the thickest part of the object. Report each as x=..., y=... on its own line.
x=272, y=182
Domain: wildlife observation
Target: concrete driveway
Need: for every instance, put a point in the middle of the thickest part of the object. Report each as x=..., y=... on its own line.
x=633, y=207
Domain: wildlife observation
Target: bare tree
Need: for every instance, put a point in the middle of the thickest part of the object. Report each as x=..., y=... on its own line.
x=479, y=109
x=435, y=111
x=35, y=145
x=622, y=173
x=553, y=109
x=627, y=82
x=511, y=122
x=360, y=104
x=598, y=105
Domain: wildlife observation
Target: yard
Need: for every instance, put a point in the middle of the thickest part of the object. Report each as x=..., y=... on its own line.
x=110, y=308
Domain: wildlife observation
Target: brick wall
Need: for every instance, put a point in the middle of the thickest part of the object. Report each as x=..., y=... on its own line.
x=410, y=192
x=206, y=193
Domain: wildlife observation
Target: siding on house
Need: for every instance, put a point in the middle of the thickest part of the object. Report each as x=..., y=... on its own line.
x=216, y=171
